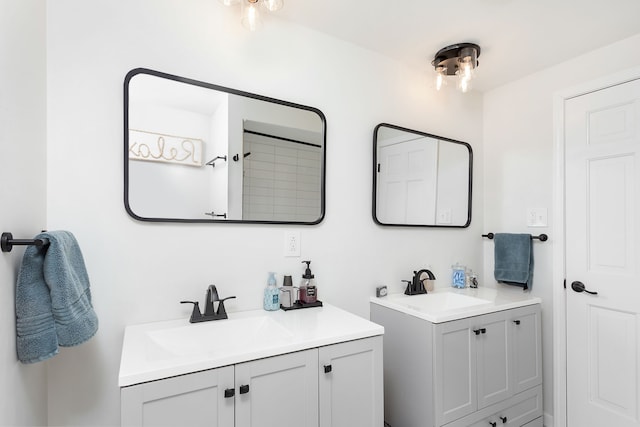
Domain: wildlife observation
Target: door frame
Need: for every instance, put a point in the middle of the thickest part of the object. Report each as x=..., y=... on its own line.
x=559, y=247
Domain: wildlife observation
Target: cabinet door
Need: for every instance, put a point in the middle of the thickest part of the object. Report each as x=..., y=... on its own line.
x=350, y=384
x=455, y=370
x=280, y=391
x=526, y=346
x=188, y=400
x=493, y=358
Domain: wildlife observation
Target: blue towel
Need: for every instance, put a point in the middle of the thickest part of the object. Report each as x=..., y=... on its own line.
x=53, y=299
x=513, y=254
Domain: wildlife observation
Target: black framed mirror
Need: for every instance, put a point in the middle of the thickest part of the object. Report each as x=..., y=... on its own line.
x=420, y=179
x=199, y=152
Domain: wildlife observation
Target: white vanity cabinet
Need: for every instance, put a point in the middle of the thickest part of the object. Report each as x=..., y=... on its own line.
x=194, y=400
x=473, y=371
x=351, y=389
x=330, y=386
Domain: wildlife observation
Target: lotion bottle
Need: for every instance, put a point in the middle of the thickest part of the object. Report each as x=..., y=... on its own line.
x=271, y=294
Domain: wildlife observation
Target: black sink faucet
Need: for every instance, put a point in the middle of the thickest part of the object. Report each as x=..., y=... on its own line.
x=210, y=313
x=416, y=285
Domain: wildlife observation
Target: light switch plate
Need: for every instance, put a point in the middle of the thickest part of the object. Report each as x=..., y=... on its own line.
x=537, y=217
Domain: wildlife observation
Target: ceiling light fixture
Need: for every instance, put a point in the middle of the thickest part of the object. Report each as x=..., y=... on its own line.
x=250, y=14
x=456, y=60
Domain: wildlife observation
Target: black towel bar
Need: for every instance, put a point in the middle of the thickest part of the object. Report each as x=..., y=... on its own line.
x=543, y=237
x=7, y=242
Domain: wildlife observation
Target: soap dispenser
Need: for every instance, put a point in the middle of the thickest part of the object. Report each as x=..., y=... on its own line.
x=271, y=294
x=308, y=289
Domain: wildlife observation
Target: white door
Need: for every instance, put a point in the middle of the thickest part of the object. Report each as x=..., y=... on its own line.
x=407, y=179
x=602, y=137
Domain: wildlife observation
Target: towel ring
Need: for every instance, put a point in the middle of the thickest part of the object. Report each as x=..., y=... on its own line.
x=7, y=242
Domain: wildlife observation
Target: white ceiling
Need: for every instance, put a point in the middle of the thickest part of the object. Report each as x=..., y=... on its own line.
x=517, y=37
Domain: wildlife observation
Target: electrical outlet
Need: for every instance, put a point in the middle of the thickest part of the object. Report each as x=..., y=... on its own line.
x=444, y=216
x=292, y=243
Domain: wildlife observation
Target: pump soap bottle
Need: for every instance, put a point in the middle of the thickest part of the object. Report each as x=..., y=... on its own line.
x=308, y=289
x=271, y=294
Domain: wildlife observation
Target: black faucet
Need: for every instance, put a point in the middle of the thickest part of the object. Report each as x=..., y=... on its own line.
x=210, y=313
x=416, y=286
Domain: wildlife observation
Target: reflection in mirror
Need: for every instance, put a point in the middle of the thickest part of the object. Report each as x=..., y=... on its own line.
x=197, y=152
x=420, y=179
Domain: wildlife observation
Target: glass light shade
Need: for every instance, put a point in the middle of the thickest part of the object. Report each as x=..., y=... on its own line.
x=273, y=5
x=440, y=77
x=464, y=82
x=250, y=15
x=466, y=65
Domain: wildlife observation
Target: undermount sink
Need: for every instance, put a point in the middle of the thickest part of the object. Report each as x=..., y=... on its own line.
x=216, y=337
x=440, y=302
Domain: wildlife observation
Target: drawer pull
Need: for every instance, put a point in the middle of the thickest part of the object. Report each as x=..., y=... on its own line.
x=476, y=331
x=327, y=369
x=230, y=392
x=244, y=389
x=517, y=322
x=504, y=420
x=483, y=330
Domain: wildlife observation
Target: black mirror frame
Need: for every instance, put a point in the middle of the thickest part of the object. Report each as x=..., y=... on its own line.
x=185, y=80
x=375, y=176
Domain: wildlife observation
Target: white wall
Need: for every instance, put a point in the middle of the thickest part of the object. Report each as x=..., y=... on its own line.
x=140, y=271
x=23, y=399
x=519, y=168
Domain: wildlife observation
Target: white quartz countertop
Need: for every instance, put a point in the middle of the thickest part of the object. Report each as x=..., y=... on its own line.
x=159, y=350
x=447, y=304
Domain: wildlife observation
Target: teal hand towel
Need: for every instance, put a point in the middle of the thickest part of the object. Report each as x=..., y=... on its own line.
x=513, y=256
x=53, y=299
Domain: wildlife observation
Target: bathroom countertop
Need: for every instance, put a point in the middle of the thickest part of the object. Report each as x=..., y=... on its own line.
x=447, y=304
x=159, y=350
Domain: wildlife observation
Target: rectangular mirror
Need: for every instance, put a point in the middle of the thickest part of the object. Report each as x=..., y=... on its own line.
x=420, y=179
x=197, y=152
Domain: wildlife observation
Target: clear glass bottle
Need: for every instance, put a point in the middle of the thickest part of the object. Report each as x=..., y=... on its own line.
x=271, y=294
x=458, y=276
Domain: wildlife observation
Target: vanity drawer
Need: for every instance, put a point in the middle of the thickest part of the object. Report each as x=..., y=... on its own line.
x=517, y=411
x=535, y=423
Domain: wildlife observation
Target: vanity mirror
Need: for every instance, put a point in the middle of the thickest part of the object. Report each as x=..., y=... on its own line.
x=197, y=152
x=420, y=179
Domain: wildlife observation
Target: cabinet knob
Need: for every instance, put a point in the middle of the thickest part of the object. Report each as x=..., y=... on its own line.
x=476, y=331
x=230, y=392
x=327, y=369
x=504, y=420
x=493, y=423
x=244, y=389
x=483, y=330
x=517, y=322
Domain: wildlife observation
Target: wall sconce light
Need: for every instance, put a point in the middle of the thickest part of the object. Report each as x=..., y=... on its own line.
x=456, y=60
x=250, y=14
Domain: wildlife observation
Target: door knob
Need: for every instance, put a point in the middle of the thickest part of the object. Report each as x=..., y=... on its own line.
x=579, y=287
